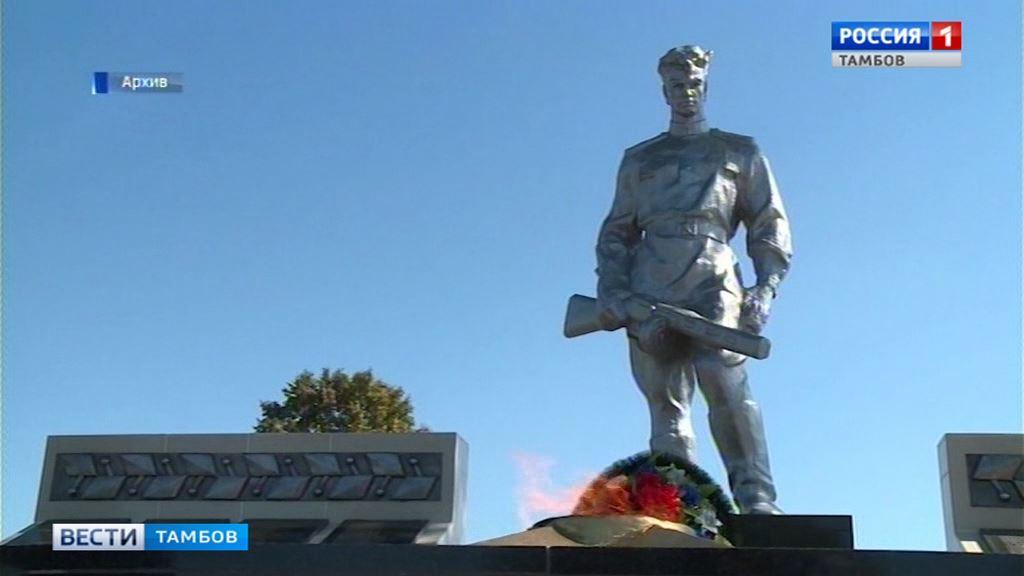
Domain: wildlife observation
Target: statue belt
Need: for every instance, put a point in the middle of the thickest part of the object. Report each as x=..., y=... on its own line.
x=683, y=228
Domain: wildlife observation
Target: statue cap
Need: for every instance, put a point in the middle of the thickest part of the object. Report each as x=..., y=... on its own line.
x=685, y=58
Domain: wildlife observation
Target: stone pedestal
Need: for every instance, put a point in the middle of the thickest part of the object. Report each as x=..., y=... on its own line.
x=790, y=531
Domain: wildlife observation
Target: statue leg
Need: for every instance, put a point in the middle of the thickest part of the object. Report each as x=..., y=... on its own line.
x=738, y=431
x=668, y=386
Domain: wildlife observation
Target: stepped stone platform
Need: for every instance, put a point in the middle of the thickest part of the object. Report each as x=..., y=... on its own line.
x=379, y=505
x=425, y=560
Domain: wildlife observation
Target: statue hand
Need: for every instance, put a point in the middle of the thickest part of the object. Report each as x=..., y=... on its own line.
x=654, y=337
x=757, y=303
x=612, y=313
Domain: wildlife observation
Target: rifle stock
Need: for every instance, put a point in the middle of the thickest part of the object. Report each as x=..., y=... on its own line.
x=580, y=316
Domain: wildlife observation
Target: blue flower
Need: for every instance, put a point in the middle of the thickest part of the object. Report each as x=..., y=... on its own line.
x=689, y=496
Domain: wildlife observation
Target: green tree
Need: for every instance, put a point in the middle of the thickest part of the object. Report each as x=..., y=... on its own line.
x=337, y=402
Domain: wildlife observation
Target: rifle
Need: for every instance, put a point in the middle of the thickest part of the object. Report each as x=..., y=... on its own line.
x=581, y=317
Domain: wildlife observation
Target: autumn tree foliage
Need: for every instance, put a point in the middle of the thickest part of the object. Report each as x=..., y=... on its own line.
x=338, y=402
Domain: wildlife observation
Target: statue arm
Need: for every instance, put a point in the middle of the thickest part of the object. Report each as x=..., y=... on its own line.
x=768, y=239
x=619, y=234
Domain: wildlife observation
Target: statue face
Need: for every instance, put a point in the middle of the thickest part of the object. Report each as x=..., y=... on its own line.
x=685, y=90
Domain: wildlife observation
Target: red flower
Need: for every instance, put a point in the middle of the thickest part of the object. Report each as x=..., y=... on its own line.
x=605, y=498
x=656, y=498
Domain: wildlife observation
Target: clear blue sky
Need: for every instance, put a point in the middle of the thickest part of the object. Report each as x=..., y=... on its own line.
x=416, y=187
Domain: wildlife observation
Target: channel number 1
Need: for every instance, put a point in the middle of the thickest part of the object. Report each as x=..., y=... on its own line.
x=947, y=33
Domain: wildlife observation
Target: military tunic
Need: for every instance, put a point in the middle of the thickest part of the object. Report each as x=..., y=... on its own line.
x=678, y=202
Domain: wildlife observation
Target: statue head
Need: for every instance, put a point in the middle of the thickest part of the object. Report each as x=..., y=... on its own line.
x=684, y=73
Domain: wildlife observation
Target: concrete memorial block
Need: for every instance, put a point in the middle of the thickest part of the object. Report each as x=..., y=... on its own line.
x=312, y=488
x=983, y=492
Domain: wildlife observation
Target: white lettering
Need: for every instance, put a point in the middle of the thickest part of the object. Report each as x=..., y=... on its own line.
x=885, y=35
x=947, y=33
x=137, y=82
x=877, y=60
x=98, y=536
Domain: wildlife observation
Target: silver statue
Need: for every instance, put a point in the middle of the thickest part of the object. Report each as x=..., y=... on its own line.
x=679, y=200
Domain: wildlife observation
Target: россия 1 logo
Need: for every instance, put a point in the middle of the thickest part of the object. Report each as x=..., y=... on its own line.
x=897, y=44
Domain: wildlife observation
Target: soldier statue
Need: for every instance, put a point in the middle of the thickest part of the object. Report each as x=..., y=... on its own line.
x=679, y=200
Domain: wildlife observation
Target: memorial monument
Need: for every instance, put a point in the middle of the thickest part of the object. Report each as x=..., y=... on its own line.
x=667, y=274
x=338, y=503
